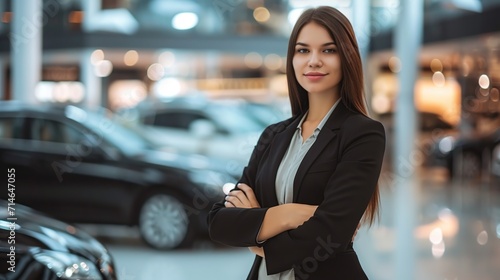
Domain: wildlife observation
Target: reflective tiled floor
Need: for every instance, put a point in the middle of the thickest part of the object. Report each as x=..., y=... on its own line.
x=456, y=237
x=457, y=231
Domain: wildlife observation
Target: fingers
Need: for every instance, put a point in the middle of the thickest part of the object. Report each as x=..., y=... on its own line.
x=242, y=197
x=238, y=199
x=249, y=194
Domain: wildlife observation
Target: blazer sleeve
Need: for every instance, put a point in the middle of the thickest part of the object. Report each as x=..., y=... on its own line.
x=237, y=226
x=346, y=196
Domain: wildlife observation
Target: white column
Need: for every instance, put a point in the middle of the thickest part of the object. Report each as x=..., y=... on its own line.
x=26, y=48
x=361, y=24
x=90, y=9
x=410, y=21
x=91, y=83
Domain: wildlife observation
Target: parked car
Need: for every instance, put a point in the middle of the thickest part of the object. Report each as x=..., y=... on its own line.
x=431, y=128
x=81, y=167
x=468, y=156
x=226, y=130
x=267, y=113
x=43, y=248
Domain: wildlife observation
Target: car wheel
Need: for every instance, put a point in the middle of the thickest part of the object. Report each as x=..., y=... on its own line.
x=164, y=222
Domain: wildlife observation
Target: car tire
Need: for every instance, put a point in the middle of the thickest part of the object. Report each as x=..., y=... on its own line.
x=164, y=222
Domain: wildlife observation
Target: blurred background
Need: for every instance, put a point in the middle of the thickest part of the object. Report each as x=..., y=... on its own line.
x=126, y=118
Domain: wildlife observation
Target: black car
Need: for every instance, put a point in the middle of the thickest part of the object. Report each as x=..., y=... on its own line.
x=35, y=246
x=81, y=167
x=469, y=157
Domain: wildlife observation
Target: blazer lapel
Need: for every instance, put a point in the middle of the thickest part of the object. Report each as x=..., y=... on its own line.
x=279, y=147
x=325, y=136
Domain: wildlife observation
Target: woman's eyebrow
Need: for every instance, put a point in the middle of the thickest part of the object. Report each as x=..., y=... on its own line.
x=306, y=45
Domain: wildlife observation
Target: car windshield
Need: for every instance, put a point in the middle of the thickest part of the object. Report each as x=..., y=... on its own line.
x=127, y=141
x=233, y=119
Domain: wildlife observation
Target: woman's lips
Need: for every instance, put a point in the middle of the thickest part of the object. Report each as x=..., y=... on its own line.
x=315, y=76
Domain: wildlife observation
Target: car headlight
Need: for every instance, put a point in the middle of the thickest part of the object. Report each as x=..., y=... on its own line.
x=446, y=144
x=68, y=266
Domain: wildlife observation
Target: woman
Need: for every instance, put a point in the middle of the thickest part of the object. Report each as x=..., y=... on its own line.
x=312, y=178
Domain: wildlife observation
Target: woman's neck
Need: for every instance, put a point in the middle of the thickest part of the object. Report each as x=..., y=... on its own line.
x=319, y=106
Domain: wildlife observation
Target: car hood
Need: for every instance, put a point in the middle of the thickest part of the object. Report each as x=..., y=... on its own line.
x=188, y=162
x=54, y=234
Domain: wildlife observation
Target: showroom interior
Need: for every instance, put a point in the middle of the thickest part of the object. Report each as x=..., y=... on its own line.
x=438, y=61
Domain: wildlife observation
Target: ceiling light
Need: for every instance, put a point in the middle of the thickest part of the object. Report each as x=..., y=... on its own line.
x=184, y=21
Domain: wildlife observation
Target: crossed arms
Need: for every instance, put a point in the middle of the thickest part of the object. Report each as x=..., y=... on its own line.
x=277, y=219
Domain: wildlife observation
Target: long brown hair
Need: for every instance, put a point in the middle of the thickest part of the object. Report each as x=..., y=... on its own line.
x=351, y=86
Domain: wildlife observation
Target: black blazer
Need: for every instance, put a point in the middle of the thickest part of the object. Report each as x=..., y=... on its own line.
x=339, y=173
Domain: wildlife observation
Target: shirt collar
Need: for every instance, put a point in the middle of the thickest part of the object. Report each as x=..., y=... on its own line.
x=323, y=121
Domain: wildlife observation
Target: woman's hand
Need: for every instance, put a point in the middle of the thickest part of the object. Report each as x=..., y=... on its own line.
x=242, y=198
x=258, y=251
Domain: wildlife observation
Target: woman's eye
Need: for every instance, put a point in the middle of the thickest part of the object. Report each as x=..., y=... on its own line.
x=302, y=50
x=330, y=50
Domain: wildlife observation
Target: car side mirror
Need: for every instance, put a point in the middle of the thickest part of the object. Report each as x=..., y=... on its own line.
x=202, y=128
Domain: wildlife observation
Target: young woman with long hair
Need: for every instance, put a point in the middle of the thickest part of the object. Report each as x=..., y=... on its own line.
x=312, y=178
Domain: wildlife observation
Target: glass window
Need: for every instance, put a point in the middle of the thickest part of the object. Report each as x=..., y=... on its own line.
x=233, y=120
x=54, y=131
x=72, y=135
x=10, y=128
x=179, y=120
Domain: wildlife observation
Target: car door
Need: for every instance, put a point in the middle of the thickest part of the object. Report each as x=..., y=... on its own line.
x=174, y=129
x=71, y=179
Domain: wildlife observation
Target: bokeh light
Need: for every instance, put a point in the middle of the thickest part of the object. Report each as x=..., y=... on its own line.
x=96, y=56
x=184, y=21
x=438, y=79
x=167, y=58
x=438, y=250
x=484, y=81
x=253, y=60
x=103, y=68
x=131, y=58
x=273, y=61
x=261, y=14
x=482, y=238
x=436, y=236
x=156, y=71
x=395, y=64
x=436, y=65
x=494, y=94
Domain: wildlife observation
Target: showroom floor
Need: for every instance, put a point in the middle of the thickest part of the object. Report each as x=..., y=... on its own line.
x=456, y=237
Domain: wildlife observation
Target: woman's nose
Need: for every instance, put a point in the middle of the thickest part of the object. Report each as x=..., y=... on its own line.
x=315, y=60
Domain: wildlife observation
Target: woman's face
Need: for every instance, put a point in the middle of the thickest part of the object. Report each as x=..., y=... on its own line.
x=316, y=61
